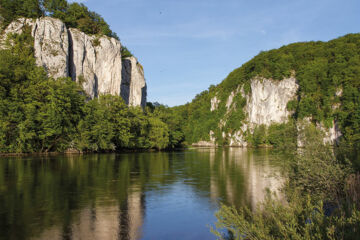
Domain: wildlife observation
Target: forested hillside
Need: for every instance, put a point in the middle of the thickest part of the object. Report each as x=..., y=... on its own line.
x=328, y=76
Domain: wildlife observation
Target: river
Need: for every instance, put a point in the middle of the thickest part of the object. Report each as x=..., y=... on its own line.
x=155, y=195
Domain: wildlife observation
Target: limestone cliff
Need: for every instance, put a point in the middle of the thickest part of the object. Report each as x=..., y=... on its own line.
x=95, y=61
x=133, y=85
x=266, y=104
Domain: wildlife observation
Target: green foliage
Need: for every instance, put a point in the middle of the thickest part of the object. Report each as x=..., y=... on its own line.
x=125, y=52
x=172, y=120
x=158, y=134
x=292, y=105
x=283, y=137
x=321, y=70
x=10, y=10
x=237, y=115
x=300, y=218
x=258, y=137
x=105, y=126
x=60, y=114
x=75, y=15
x=40, y=114
x=36, y=112
x=96, y=42
x=316, y=170
x=197, y=118
x=321, y=201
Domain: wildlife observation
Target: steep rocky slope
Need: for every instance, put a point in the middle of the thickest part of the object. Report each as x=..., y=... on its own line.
x=94, y=61
x=288, y=88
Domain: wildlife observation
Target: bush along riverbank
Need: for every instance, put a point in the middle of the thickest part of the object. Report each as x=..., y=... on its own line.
x=322, y=200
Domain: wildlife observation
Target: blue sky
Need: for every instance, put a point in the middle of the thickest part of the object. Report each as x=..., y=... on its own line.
x=187, y=45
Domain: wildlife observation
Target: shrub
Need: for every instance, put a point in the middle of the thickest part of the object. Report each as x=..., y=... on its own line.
x=300, y=218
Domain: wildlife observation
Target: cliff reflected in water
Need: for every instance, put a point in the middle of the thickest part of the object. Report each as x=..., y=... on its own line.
x=129, y=196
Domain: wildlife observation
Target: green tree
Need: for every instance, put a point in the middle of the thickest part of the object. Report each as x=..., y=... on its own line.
x=158, y=134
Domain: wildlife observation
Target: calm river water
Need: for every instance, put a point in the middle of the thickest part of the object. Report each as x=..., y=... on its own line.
x=162, y=195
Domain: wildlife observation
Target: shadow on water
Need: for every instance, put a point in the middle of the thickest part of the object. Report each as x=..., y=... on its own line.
x=128, y=196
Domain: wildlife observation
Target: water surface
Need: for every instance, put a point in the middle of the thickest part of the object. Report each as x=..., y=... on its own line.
x=162, y=195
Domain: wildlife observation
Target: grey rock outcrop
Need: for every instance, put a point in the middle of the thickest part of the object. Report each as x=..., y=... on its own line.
x=133, y=85
x=268, y=100
x=94, y=61
x=214, y=103
x=266, y=104
x=51, y=43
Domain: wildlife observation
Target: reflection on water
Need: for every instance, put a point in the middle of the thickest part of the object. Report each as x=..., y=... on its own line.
x=129, y=196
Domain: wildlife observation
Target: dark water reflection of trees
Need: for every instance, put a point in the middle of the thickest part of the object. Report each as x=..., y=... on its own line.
x=104, y=196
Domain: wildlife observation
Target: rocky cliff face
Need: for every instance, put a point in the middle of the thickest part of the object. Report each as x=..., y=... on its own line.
x=94, y=61
x=133, y=85
x=51, y=43
x=266, y=104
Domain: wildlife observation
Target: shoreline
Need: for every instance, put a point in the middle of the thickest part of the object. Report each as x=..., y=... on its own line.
x=89, y=152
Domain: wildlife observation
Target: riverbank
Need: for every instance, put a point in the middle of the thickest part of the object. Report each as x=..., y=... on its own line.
x=77, y=152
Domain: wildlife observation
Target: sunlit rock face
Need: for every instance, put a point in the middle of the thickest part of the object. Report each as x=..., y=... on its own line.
x=214, y=103
x=97, y=61
x=230, y=99
x=266, y=104
x=94, y=61
x=268, y=100
x=51, y=43
x=133, y=85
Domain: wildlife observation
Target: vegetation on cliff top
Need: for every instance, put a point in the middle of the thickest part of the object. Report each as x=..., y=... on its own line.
x=75, y=15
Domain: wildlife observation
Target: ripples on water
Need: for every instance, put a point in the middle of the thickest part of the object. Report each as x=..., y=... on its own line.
x=162, y=195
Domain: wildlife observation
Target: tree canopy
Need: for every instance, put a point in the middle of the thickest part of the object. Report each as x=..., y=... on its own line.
x=75, y=15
